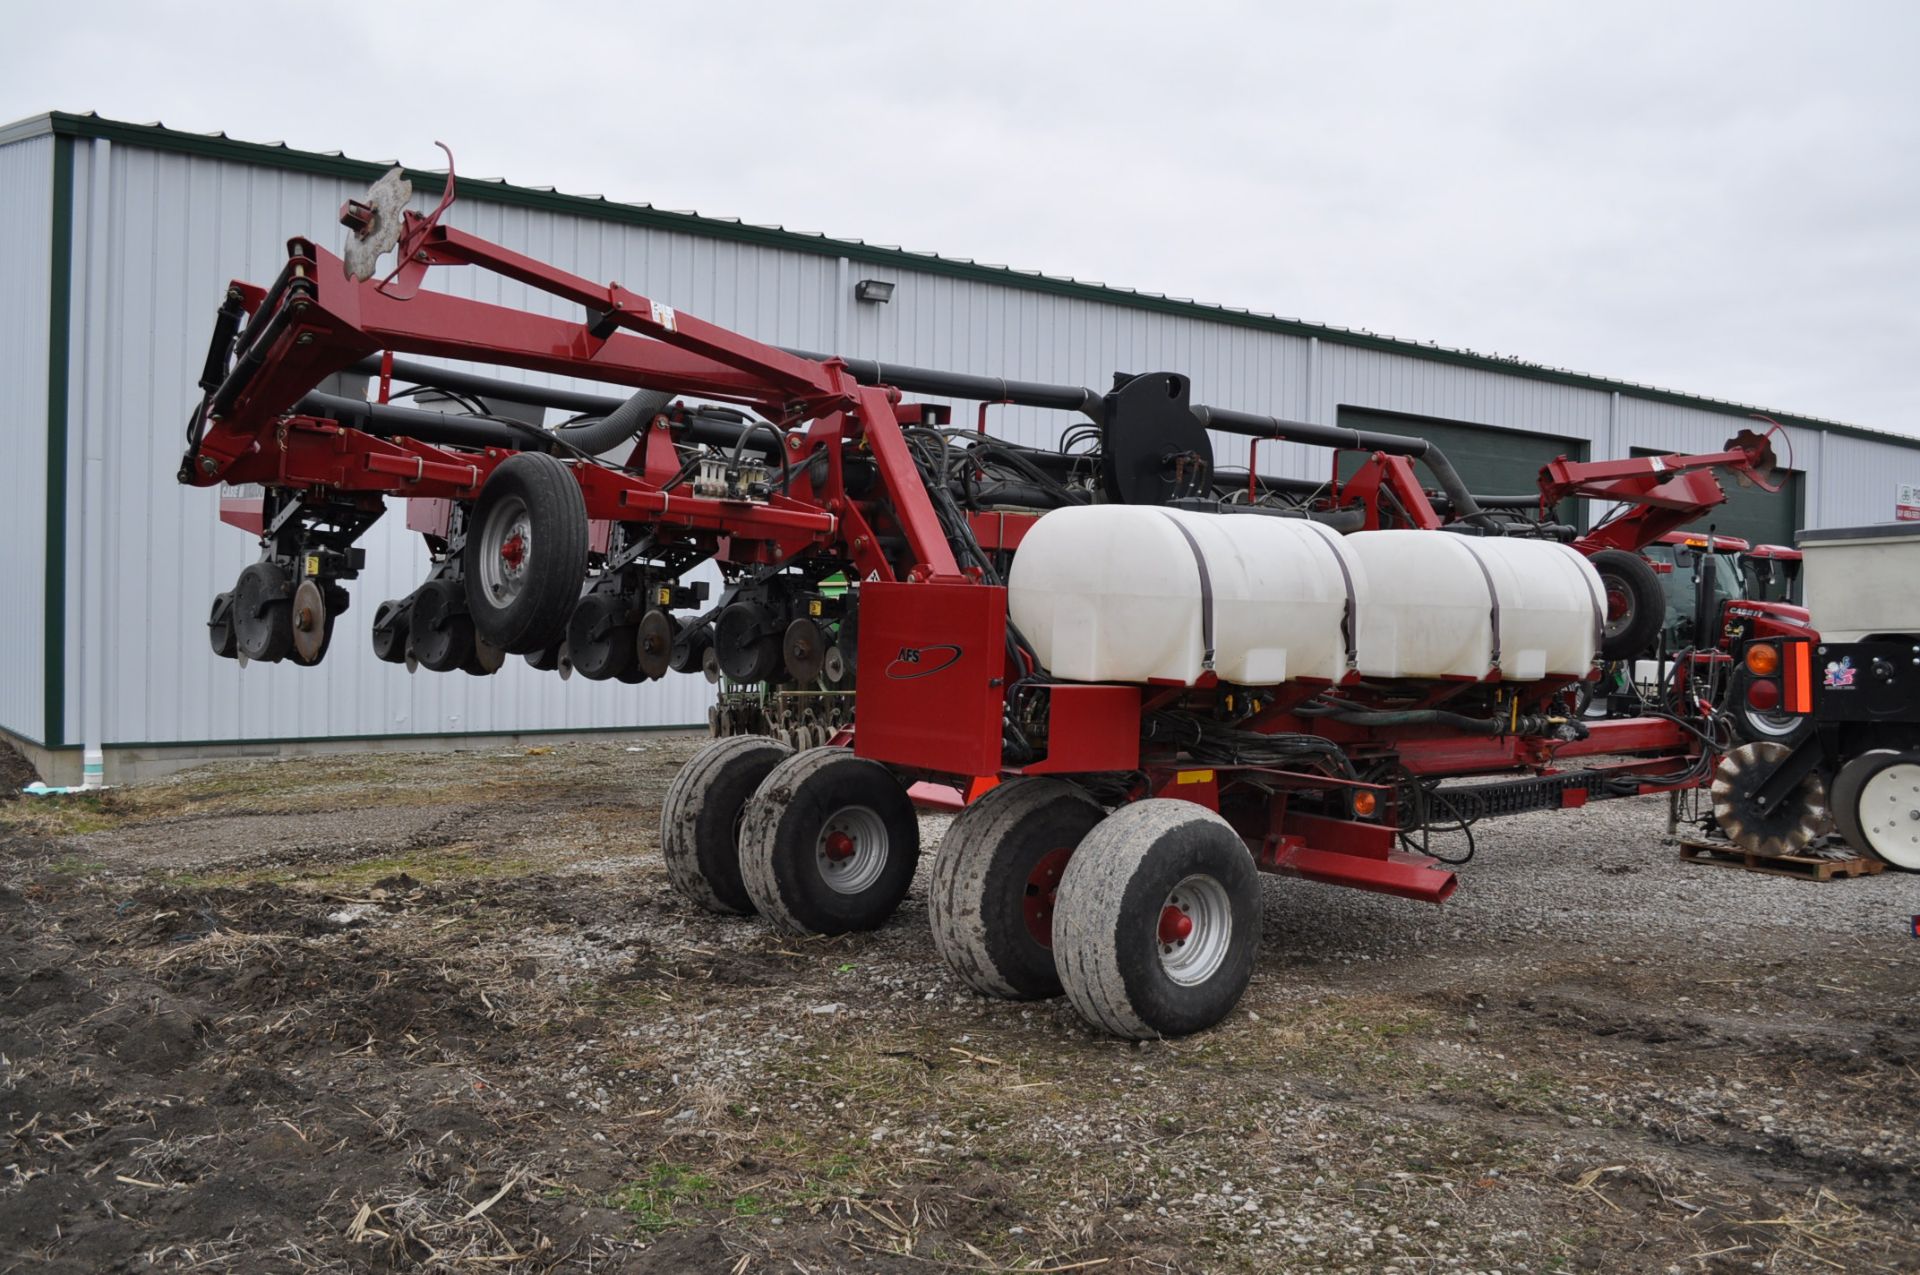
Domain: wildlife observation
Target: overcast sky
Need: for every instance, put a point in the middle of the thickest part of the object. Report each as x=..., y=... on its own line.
x=1718, y=198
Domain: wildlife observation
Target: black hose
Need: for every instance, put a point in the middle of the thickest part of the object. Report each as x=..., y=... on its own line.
x=383, y=420
x=983, y=389
x=597, y=437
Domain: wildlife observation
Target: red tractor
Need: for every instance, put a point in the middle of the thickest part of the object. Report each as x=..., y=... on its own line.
x=1166, y=676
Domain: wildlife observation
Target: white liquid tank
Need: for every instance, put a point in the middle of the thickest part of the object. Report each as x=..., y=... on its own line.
x=1120, y=593
x=1445, y=605
x=1113, y=593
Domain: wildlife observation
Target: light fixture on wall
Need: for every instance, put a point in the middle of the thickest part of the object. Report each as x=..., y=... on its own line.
x=877, y=291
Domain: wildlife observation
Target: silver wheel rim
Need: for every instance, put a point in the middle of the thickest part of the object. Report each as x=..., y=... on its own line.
x=851, y=850
x=1889, y=813
x=1203, y=901
x=506, y=547
x=1772, y=723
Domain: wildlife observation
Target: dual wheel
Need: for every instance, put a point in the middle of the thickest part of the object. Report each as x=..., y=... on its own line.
x=1147, y=918
x=817, y=842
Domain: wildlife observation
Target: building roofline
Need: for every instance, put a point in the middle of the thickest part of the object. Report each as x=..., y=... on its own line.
x=499, y=191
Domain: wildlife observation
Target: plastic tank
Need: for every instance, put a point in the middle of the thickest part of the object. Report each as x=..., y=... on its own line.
x=1432, y=596
x=1112, y=593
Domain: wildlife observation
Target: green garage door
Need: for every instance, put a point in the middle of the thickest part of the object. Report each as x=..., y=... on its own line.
x=1763, y=518
x=1496, y=462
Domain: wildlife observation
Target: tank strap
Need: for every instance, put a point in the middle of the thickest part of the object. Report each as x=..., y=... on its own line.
x=1493, y=595
x=1349, y=620
x=1206, y=591
x=1593, y=596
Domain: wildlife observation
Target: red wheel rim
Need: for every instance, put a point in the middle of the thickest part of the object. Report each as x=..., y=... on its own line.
x=1037, y=907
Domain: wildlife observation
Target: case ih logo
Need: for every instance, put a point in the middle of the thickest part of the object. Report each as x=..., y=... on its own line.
x=922, y=661
x=1840, y=674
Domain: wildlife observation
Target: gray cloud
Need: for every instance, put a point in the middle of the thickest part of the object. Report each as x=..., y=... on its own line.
x=1715, y=197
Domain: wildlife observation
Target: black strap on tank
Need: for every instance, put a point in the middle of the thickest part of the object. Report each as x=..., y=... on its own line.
x=1593, y=596
x=1493, y=596
x=1348, y=619
x=1206, y=592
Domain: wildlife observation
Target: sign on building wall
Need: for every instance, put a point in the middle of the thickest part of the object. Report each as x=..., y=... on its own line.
x=1906, y=503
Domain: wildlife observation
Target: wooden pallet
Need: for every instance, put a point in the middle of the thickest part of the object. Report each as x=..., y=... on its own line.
x=1725, y=854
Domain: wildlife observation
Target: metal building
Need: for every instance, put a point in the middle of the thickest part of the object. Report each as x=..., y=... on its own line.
x=117, y=241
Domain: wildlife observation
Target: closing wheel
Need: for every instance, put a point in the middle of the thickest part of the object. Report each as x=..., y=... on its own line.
x=653, y=644
x=1157, y=921
x=804, y=648
x=526, y=553
x=390, y=629
x=440, y=634
x=1800, y=819
x=312, y=622
x=829, y=843
x=700, y=819
x=1636, y=606
x=220, y=627
x=263, y=612
x=991, y=898
x=1876, y=806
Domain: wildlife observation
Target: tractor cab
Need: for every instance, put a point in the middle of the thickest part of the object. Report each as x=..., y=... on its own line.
x=1773, y=574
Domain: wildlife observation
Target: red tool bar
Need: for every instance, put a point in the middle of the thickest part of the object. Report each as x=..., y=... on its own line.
x=1405, y=876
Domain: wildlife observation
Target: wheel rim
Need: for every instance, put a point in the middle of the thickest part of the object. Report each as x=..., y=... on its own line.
x=1194, y=930
x=1619, y=609
x=1770, y=723
x=506, y=548
x=851, y=850
x=1037, y=907
x=1889, y=809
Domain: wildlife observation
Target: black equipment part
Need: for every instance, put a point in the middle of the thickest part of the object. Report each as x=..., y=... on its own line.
x=599, y=637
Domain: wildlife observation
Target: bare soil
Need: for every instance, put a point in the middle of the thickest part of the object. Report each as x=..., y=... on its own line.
x=443, y=1013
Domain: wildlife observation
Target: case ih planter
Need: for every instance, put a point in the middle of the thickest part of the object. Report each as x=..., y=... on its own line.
x=1164, y=676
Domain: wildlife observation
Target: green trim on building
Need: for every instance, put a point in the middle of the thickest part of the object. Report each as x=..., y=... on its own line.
x=59, y=328
x=221, y=147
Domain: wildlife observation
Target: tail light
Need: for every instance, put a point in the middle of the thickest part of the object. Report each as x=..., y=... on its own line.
x=1763, y=693
x=1763, y=659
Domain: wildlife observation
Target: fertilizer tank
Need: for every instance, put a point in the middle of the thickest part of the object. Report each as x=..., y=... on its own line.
x=1132, y=593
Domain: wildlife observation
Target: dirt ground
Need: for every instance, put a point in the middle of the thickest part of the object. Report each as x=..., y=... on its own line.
x=442, y=1013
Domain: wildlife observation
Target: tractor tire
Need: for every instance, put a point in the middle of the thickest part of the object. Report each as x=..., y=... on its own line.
x=1636, y=606
x=700, y=820
x=526, y=553
x=829, y=843
x=991, y=899
x=1157, y=921
x=1876, y=806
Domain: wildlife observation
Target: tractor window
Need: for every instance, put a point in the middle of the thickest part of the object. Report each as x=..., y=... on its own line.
x=1680, y=585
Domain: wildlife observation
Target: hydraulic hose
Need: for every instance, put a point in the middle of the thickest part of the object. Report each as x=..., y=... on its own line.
x=383, y=420
x=1527, y=724
x=596, y=437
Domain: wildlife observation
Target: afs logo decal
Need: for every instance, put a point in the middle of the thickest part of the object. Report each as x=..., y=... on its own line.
x=923, y=661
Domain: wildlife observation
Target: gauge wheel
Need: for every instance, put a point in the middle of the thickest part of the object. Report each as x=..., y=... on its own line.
x=263, y=613
x=439, y=632
x=829, y=843
x=700, y=819
x=992, y=895
x=1157, y=921
x=526, y=553
x=1876, y=806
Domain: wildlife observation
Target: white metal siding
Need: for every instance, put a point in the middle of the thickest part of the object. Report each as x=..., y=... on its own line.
x=179, y=227
x=26, y=219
